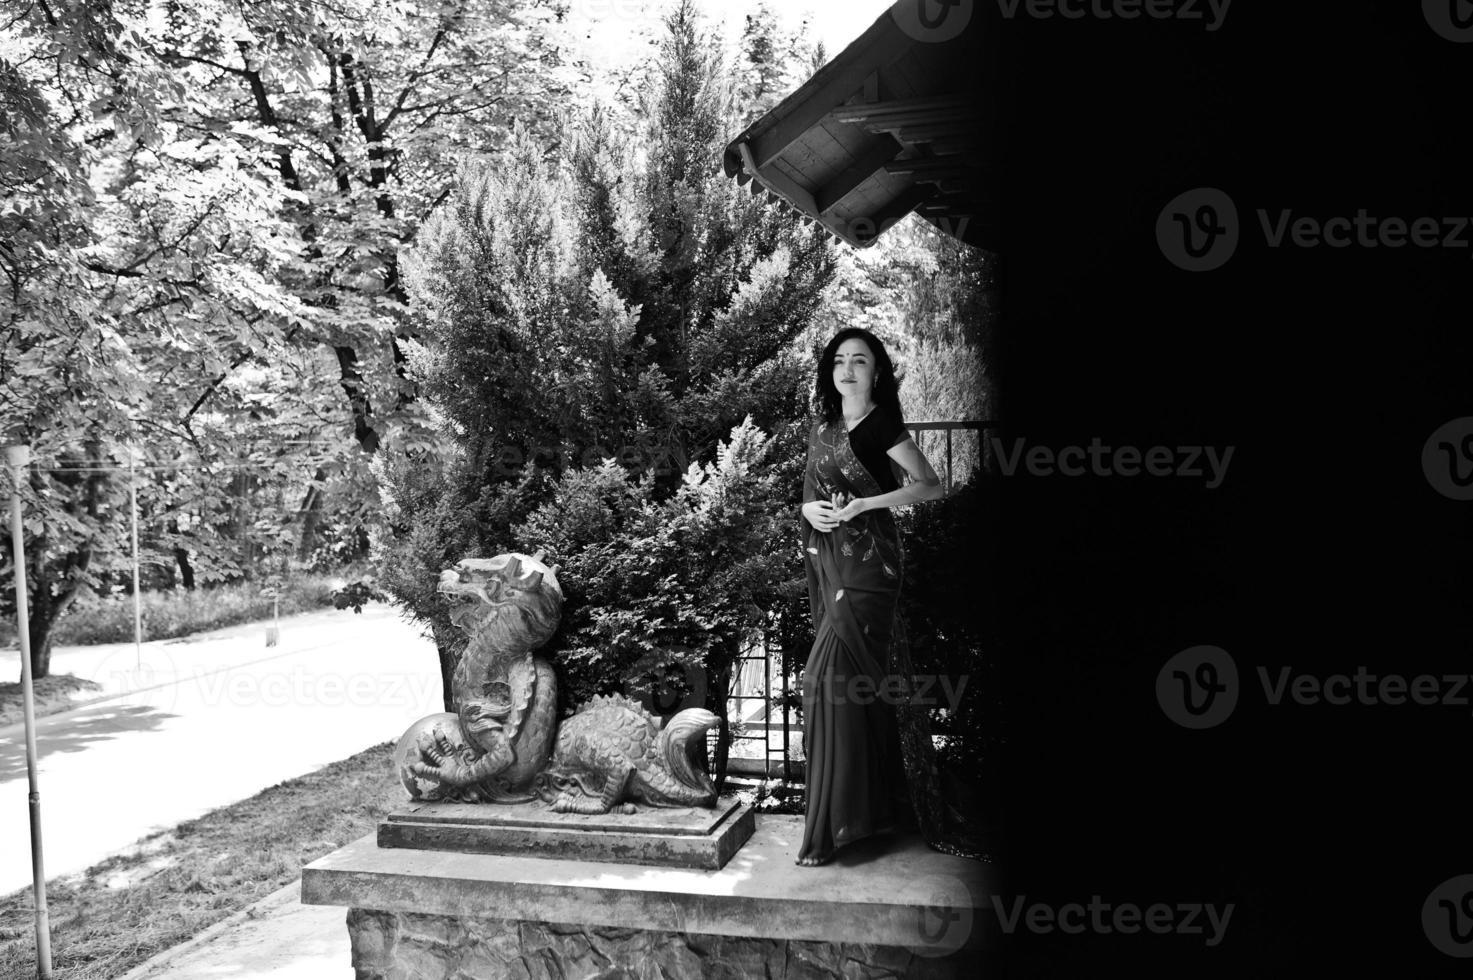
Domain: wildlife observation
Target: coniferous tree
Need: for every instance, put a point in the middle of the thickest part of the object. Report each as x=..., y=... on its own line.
x=624, y=303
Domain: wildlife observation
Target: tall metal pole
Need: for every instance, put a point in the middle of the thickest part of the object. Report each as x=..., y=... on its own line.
x=137, y=598
x=17, y=457
x=948, y=479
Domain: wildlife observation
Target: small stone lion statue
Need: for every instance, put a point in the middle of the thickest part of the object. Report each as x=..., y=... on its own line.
x=613, y=750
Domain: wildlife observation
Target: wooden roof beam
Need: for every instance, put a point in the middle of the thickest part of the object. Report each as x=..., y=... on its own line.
x=890, y=124
x=946, y=106
x=951, y=184
x=955, y=163
x=950, y=132
x=954, y=147
x=874, y=156
x=779, y=183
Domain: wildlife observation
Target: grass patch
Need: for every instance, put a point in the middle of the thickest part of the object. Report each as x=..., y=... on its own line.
x=174, y=884
x=55, y=693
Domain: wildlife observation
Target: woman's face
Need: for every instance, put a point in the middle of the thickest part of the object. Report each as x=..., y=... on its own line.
x=854, y=369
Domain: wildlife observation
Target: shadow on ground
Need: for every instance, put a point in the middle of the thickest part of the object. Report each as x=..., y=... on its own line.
x=77, y=731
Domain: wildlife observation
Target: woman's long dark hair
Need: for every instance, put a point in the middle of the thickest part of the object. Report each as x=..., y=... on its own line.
x=886, y=394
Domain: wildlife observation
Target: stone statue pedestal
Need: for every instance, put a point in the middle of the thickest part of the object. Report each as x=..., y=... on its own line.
x=682, y=837
x=888, y=908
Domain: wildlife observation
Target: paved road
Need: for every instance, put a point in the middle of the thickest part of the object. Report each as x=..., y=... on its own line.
x=203, y=722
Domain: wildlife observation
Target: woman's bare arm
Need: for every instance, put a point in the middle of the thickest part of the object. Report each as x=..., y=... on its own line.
x=924, y=485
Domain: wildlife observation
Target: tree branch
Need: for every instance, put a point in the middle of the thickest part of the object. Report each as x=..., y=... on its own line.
x=245, y=356
x=415, y=76
x=335, y=141
x=181, y=56
x=268, y=118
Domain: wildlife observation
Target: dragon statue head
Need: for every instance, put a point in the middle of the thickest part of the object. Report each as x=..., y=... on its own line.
x=511, y=600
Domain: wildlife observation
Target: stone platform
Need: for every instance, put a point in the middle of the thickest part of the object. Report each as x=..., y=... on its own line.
x=685, y=837
x=887, y=907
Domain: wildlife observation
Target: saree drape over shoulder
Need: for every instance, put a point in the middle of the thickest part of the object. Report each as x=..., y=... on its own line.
x=855, y=771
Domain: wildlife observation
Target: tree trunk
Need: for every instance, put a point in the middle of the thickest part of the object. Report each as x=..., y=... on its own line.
x=46, y=610
x=181, y=559
x=449, y=645
x=186, y=570
x=40, y=647
x=309, y=514
x=350, y=378
x=351, y=381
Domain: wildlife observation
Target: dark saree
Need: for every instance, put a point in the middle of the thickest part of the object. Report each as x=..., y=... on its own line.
x=870, y=760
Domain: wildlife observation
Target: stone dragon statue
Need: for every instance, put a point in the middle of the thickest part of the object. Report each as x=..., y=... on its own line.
x=499, y=746
x=613, y=750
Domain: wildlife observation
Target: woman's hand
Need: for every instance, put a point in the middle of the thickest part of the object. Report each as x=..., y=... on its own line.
x=820, y=513
x=851, y=509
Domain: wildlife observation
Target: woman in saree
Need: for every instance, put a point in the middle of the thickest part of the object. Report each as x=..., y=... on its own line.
x=855, y=774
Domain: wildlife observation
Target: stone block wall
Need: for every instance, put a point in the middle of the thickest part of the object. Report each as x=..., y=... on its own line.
x=410, y=946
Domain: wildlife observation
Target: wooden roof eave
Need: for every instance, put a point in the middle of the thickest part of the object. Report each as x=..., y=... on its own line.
x=923, y=152
x=807, y=105
x=747, y=157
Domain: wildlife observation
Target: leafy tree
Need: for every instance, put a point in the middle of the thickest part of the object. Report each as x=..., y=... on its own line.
x=69, y=374
x=626, y=303
x=203, y=206
x=773, y=61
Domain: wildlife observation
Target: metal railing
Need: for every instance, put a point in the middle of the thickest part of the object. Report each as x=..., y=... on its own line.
x=775, y=734
x=919, y=432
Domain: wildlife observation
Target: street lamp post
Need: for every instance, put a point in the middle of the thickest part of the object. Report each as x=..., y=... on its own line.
x=137, y=597
x=19, y=457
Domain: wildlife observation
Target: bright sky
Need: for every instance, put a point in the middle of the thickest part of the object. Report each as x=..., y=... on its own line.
x=836, y=22
x=613, y=30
